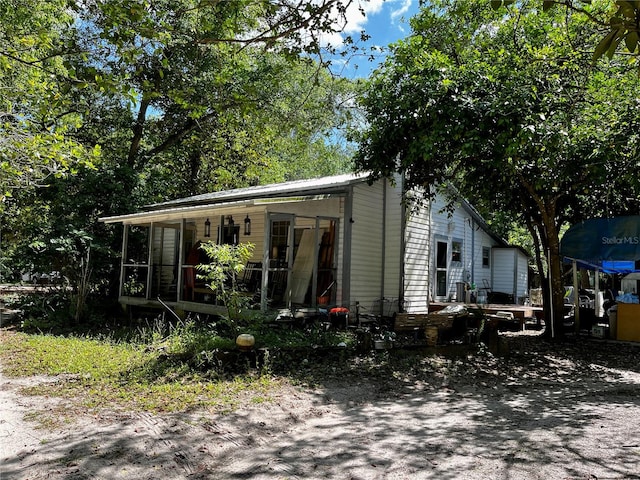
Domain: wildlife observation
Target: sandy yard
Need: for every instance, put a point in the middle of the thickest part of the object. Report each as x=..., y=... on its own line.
x=544, y=411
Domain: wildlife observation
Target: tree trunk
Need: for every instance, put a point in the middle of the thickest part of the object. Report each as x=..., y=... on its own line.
x=138, y=131
x=555, y=273
x=535, y=231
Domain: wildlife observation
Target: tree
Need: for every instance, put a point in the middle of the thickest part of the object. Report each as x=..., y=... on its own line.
x=518, y=122
x=192, y=73
x=288, y=133
x=35, y=112
x=226, y=262
x=618, y=22
x=177, y=97
x=201, y=66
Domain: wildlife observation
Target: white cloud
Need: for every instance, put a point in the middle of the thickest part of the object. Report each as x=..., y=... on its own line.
x=358, y=18
x=355, y=20
x=404, y=8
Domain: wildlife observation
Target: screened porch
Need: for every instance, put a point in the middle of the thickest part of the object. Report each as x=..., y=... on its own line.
x=294, y=261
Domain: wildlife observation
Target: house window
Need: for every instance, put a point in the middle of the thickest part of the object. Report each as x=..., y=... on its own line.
x=441, y=269
x=486, y=255
x=279, y=243
x=456, y=251
x=230, y=234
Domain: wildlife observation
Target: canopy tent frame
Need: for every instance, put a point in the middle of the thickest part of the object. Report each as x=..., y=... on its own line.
x=607, y=245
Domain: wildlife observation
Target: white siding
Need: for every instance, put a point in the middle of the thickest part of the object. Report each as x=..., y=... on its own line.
x=481, y=275
x=456, y=226
x=393, y=246
x=416, y=261
x=366, y=244
x=522, y=280
x=510, y=272
x=424, y=229
x=504, y=267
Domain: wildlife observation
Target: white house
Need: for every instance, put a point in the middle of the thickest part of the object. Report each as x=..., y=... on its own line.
x=334, y=240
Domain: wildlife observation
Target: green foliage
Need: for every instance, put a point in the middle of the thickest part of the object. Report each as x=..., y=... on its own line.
x=94, y=360
x=165, y=367
x=112, y=105
x=36, y=116
x=202, y=94
x=101, y=373
x=55, y=311
x=621, y=20
x=43, y=312
x=226, y=263
x=518, y=123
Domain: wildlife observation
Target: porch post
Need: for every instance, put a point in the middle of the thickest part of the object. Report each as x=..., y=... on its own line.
x=125, y=242
x=160, y=261
x=347, y=251
x=384, y=246
x=179, y=287
x=265, y=263
x=290, y=249
x=314, y=277
x=150, y=263
x=473, y=251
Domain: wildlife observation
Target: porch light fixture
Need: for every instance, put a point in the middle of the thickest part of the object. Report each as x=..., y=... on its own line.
x=230, y=221
x=247, y=225
x=207, y=228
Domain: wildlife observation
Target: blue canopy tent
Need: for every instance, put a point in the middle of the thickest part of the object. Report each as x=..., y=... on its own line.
x=611, y=245
x=608, y=245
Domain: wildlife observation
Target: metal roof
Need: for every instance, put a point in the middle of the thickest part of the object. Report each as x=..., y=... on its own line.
x=287, y=191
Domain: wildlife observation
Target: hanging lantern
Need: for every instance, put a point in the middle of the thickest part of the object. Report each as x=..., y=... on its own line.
x=247, y=225
x=207, y=228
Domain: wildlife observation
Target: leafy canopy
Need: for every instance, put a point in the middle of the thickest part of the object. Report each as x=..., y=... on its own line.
x=36, y=113
x=510, y=111
x=619, y=22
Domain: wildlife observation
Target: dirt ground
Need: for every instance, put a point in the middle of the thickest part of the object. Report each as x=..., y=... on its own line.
x=543, y=411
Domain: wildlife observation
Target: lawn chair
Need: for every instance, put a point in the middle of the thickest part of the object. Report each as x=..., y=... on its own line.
x=486, y=288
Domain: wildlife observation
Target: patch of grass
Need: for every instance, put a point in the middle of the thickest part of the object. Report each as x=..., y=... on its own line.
x=50, y=418
x=103, y=374
x=163, y=367
x=51, y=355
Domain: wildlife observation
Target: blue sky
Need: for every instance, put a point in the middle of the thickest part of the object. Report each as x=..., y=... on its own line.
x=385, y=21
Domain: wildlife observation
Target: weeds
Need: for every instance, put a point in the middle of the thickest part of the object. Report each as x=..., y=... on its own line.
x=159, y=366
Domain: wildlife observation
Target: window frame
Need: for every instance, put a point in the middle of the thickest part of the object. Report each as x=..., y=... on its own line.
x=486, y=257
x=457, y=254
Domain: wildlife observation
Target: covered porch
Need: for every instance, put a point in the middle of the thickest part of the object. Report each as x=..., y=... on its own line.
x=295, y=261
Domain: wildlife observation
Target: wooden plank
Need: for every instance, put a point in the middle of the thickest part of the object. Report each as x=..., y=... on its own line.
x=413, y=321
x=302, y=267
